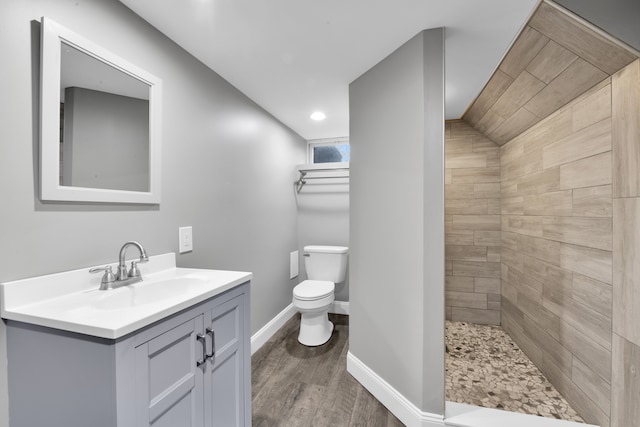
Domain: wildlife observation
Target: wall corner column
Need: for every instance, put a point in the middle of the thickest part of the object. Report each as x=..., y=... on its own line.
x=397, y=229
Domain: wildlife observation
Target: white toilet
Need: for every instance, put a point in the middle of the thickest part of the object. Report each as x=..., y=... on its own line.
x=326, y=266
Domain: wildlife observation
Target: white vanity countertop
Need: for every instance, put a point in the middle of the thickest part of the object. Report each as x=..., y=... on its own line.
x=72, y=302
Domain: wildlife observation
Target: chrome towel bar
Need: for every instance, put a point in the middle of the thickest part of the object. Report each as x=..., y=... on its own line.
x=304, y=171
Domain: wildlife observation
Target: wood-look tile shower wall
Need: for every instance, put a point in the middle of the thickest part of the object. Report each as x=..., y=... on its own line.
x=554, y=59
x=557, y=239
x=570, y=198
x=625, y=397
x=472, y=215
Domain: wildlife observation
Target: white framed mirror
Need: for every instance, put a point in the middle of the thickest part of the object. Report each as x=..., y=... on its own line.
x=99, y=123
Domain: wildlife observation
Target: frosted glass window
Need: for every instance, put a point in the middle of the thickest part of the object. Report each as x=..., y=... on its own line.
x=333, y=152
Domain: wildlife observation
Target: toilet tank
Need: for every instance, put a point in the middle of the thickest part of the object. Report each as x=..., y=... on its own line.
x=326, y=262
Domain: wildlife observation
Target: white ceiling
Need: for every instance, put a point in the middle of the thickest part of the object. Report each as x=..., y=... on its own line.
x=294, y=57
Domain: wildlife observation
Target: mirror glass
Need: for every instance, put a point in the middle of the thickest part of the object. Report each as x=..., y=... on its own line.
x=104, y=125
x=106, y=145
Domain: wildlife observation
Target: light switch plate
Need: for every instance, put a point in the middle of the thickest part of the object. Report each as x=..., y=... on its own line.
x=293, y=265
x=185, y=239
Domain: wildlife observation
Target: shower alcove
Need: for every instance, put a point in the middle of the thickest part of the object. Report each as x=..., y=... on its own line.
x=541, y=216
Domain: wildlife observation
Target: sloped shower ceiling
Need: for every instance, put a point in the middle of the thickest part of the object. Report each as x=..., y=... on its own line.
x=556, y=58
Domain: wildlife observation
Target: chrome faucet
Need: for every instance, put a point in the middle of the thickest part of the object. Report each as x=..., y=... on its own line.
x=123, y=276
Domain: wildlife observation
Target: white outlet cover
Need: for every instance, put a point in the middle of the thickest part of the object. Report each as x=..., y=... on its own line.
x=185, y=239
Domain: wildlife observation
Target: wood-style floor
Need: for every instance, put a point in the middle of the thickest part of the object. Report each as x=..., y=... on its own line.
x=294, y=385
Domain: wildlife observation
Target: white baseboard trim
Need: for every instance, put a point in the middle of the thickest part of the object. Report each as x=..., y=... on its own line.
x=262, y=336
x=457, y=414
x=402, y=408
x=340, y=307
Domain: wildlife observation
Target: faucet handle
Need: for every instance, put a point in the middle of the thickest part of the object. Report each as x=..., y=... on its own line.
x=108, y=276
x=134, y=271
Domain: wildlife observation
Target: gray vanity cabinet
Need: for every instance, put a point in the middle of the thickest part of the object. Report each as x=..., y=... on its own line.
x=169, y=385
x=225, y=377
x=193, y=374
x=190, y=369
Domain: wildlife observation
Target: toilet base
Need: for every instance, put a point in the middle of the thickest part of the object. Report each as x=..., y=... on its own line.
x=315, y=328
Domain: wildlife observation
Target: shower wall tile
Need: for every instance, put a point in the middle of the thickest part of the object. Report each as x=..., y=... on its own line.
x=528, y=225
x=562, y=357
x=593, y=263
x=467, y=160
x=572, y=230
x=626, y=131
x=593, y=294
x=625, y=410
x=591, y=323
x=557, y=242
x=626, y=267
x=517, y=169
x=588, y=351
x=473, y=225
x=476, y=269
x=493, y=254
x=474, y=315
x=538, y=248
x=459, y=237
x=575, y=175
x=592, y=384
x=485, y=285
x=595, y=106
x=459, y=283
x=466, y=299
x=487, y=238
x=475, y=175
x=575, y=36
x=513, y=205
x=512, y=323
x=592, y=201
x=587, y=142
x=552, y=60
x=555, y=203
x=466, y=253
x=466, y=206
x=494, y=206
x=579, y=400
x=626, y=203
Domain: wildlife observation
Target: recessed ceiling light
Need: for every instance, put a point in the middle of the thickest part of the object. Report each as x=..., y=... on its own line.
x=318, y=115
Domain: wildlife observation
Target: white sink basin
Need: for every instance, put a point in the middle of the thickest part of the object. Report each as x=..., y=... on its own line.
x=145, y=292
x=71, y=300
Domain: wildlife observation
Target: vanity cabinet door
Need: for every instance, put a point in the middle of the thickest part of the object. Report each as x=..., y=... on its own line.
x=225, y=404
x=169, y=384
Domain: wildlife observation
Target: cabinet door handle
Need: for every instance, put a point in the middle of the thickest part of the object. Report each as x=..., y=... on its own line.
x=203, y=339
x=212, y=333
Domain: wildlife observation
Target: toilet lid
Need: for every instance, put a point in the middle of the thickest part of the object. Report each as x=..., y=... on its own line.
x=313, y=289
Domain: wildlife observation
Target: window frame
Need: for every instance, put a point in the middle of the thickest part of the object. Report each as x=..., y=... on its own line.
x=328, y=142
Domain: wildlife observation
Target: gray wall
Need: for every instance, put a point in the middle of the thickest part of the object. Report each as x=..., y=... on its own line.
x=397, y=220
x=227, y=168
x=106, y=140
x=617, y=17
x=323, y=219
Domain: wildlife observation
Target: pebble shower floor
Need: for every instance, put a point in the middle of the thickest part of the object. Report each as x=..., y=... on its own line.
x=484, y=367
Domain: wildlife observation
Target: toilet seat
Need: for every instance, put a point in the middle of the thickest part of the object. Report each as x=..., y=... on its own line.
x=311, y=290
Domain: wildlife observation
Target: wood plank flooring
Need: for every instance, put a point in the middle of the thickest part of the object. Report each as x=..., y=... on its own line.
x=294, y=385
